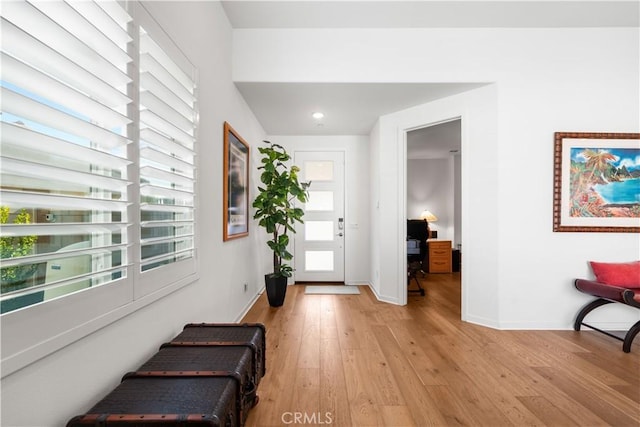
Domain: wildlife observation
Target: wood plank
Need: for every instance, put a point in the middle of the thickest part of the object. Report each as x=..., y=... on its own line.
x=546, y=411
x=364, y=410
x=422, y=407
x=334, y=401
x=397, y=416
x=591, y=399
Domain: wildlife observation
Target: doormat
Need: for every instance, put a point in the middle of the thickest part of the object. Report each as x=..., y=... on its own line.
x=331, y=290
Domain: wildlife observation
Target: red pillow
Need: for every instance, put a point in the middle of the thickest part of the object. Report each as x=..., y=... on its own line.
x=623, y=274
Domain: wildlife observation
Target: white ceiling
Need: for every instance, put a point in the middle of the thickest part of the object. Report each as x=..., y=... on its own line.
x=349, y=108
x=431, y=13
x=352, y=108
x=435, y=142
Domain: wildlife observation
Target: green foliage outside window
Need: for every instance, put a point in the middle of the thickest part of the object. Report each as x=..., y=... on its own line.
x=16, y=246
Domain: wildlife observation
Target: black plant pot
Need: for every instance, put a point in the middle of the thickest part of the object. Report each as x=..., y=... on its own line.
x=276, y=289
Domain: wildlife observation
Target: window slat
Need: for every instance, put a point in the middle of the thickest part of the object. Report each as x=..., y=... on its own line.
x=32, y=200
x=178, y=166
x=148, y=82
x=106, y=23
x=14, y=230
x=28, y=49
x=20, y=74
x=58, y=174
x=166, y=112
x=176, y=209
x=160, y=192
x=171, y=180
x=166, y=145
x=160, y=57
x=153, y=120
x=16, y=136
x=63, y=254
x=172, y=257
x=68, y=18
x=59, y=39
x=28, y=108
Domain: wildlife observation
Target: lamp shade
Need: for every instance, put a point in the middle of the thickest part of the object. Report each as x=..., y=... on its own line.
x=428, y=216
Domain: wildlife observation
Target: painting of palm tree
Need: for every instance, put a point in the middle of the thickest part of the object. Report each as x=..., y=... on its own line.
x=596, y=182
x=605, y=182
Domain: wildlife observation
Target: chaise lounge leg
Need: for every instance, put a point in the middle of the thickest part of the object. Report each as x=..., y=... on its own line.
x=587, y=309
x=628, y=338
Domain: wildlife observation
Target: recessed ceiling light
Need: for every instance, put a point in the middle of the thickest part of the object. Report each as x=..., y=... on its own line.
x=317, y=115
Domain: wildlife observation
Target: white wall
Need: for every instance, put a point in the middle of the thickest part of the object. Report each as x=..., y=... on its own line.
x=518, y=272
x=356, y=149
x=68, y=382
x=430, y=185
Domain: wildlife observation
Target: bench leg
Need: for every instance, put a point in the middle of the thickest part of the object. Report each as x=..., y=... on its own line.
x=587, y=309
x=628, y=338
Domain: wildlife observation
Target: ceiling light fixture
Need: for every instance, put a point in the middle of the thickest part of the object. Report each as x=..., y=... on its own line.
x=317, y=115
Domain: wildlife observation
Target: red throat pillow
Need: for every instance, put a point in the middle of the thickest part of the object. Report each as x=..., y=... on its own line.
x=623, y=274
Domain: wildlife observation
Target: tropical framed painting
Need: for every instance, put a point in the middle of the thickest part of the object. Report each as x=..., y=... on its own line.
x=236, y=191
x=596, y=185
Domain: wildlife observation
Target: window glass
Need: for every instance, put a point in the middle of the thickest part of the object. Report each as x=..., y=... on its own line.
x=319, y=201
x=318, y=230
x=318, y=170
x=318, y=260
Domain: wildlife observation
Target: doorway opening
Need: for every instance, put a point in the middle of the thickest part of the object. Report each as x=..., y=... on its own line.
x=433, y=187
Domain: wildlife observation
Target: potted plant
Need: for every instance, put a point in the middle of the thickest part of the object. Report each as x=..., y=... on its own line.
x=276, y=212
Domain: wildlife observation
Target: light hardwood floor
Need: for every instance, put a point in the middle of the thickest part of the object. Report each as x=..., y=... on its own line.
x=350, y=360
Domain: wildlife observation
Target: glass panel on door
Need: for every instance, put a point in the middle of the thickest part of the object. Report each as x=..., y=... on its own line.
x=318, y=260
x=318, y=170
x=318, y=231
x=319, y=201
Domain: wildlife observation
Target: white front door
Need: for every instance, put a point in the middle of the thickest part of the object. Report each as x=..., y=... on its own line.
x=319, y=242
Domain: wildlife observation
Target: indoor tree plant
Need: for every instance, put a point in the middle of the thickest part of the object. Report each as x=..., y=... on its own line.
x=276, y=212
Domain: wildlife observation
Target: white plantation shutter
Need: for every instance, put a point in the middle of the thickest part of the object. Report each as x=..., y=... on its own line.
x=64, y=139
x=97, y=191
x=167, y=158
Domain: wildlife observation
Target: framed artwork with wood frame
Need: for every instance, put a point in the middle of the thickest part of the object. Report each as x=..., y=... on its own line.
x=236, y=189
x=596, y=184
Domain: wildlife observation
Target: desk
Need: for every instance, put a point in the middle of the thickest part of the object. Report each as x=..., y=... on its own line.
x=439, y=256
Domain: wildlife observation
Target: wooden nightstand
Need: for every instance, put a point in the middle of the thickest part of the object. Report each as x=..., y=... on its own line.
x=439, y=256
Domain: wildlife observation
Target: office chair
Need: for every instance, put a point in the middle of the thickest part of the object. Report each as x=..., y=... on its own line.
x=417, y=229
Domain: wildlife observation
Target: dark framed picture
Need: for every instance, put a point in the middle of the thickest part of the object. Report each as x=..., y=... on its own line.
x=596, y=184
x=236, y=190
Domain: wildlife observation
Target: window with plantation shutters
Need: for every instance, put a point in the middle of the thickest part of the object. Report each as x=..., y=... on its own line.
x=64, y=149
x=98, y=133
x=167, y=138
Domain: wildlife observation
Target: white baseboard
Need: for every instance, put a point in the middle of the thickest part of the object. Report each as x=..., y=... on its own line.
x=248, y=306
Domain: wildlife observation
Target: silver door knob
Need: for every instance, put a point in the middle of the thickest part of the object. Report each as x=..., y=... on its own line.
x=339, y=234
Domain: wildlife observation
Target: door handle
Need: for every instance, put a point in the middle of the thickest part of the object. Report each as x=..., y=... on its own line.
x=339, y=234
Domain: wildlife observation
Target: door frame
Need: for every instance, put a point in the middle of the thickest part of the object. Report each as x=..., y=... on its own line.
x=402, y=137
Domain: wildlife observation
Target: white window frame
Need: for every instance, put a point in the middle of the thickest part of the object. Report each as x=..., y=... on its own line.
x=35, y=332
